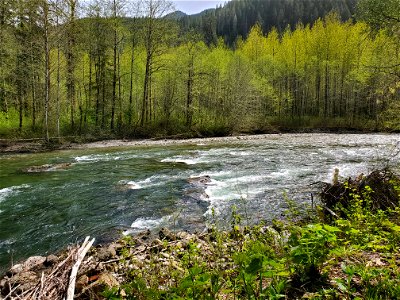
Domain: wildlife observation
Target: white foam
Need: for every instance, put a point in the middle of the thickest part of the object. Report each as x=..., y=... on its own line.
x=6, y=192
x=241, y=153
x=279, y=174
x=143, y=223
x=216, y=174
x=103, y=157
x=246, y=179
x=221, y=192
x=93, y=158
x=137, y=185
x=188, y=161
x=146, y=223
x=133, y=185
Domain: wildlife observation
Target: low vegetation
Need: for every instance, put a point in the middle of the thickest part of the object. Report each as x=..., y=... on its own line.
x=354, y=255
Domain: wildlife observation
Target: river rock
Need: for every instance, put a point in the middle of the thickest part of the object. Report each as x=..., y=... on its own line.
x=47, y=168
x=166, y=234
x=201, y=180
x=25, y=281
x=109, y=280
x=15, y=269
x=34, y=263
x=157, y=242
x=51, y=260
x=117, y=246
x=182, y=235
x=144, y=235
x=106, y=253
x=3, y=284
x=82, y=282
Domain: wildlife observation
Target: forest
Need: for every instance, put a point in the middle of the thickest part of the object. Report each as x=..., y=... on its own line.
x=121, y=69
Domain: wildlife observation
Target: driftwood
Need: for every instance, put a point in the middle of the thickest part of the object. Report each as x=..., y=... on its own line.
x=383, y=196
x=80, y=255
x=60, y=282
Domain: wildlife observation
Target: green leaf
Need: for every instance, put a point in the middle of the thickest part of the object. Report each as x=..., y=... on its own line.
x=255, y=265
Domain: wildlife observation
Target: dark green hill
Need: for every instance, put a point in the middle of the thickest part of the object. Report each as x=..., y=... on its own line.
x=237, y=17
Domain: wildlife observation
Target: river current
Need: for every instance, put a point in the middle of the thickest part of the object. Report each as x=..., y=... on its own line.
x=111, y=191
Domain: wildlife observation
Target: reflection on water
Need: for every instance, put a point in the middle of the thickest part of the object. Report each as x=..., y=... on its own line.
x=126, y=190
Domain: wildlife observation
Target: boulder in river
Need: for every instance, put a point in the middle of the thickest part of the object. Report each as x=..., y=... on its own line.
x=201, y=180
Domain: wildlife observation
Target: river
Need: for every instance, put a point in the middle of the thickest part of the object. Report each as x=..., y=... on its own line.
x=105, y=192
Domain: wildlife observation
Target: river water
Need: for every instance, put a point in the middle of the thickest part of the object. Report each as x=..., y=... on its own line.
x=124, y=190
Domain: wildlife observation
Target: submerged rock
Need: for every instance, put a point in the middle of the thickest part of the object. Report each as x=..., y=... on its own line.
x=201, y=180
x=47, y=168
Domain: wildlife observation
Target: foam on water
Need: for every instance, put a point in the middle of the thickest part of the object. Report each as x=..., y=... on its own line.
x=7, y=192
x=212, y=174
x=182, y=159
x=146, y=223
x=151, y=181
x=92, y=158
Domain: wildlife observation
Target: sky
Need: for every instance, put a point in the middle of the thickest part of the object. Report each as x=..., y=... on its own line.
x=195, y=6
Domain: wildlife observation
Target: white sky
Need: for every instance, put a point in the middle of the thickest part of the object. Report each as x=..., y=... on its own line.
x=195, y=6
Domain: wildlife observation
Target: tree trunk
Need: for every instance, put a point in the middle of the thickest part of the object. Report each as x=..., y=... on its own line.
x=130, y=109
x=145, y=100
x=189, y=98
x=47, y=69
x=70, y=80
x=114, y=82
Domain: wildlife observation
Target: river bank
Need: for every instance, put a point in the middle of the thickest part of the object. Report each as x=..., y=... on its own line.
x=313, y=259
x=38, y=145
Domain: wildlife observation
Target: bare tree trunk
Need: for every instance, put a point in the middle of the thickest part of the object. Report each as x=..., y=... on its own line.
x=98, y=77
x=144, y=114
x=189, y=98
x=21, y=109
x=114, y=82
x=47, y=68
x=130, y=110
x=58, y=88
x=70, y=80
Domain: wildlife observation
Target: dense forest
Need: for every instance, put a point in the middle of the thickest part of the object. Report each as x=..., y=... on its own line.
x=237, y=17
x=118, y=68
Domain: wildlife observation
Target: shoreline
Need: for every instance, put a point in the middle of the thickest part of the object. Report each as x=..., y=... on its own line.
x=8, y=146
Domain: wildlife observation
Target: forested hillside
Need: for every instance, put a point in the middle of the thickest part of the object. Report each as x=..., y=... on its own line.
x=237, y=17
x=68, y=69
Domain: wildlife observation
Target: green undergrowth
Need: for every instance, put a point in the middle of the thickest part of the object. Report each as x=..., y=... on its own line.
x=355, y=256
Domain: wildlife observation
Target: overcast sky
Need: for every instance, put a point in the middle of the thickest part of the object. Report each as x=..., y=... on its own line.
x=196, y=6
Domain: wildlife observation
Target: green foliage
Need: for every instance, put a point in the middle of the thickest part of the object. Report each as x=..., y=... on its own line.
x=122, y=77
x=353, y=257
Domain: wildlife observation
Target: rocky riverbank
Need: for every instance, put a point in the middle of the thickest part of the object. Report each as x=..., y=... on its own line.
x=34, y=146
x=104, y=267
x=40, y=145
